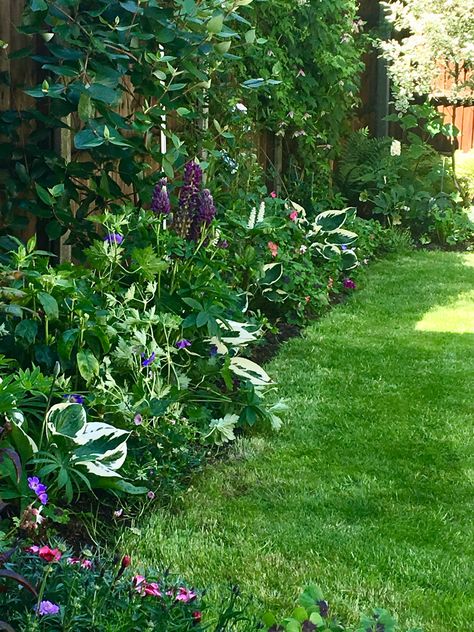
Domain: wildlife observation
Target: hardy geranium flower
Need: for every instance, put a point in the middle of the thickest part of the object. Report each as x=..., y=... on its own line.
x=293, y=216
x=148, y=361
x=47, y=607
x=40, y=490
x=74, y=398
x=114, y=238
x=273, y=194
x=138, y=420
x=349, y=284
x=273, y=248
x=182, y=344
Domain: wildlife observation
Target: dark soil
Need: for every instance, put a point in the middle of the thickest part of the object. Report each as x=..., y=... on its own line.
x=273, y=340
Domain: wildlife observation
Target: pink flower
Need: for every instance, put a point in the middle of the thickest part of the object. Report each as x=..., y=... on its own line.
x=49, y=555
x=307, y=298
x=293, y=216
x=138, y=582
x=152, y=589
x=33, y=549
x=349, y=284
x=273, y=195
x=273, y=248
x=185, y=595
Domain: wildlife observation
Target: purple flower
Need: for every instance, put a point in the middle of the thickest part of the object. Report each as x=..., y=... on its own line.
x=138, y=420
x=213, y=351
x=47, y=607
x=40, y=490
x=148, y=361
x=160, y=203
x=223, y=243
x=188, y=199
x=343, y=247
x=205, y=213
x=114, y=238
x=182, y=344
x=349, y=284
x=74, y=398
x=150, y=495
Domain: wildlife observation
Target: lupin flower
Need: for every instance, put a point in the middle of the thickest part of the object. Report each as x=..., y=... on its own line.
x=160, y=203
x=188, y=199
x=204, y=214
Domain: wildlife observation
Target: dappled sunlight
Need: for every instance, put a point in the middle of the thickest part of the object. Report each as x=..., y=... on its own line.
x=458, y=317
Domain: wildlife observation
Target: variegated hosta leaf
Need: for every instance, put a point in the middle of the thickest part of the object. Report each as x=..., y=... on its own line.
x=331, y=220
x=67, y=420
x=342, y=236
x=236, y=335
x=272, y=273
x=250, y=371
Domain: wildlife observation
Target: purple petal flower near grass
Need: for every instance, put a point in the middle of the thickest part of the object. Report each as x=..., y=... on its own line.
x=74, y=398
x=114, y=238
x=349, y=284
x=40, y=490
x=138, y=420
x=47, y=607
x=182, y=344
x=148, y=361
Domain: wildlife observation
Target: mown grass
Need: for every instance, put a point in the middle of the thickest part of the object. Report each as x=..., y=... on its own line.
x=369, y=488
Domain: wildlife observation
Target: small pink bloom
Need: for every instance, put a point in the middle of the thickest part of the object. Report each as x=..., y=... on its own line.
x=273, y=195
x=33, y=549
x=293, y=216
x=273, y=248
x=152, y=589
x=86, y=564
x=185, y=595
x=307, y=298
x=49, y=555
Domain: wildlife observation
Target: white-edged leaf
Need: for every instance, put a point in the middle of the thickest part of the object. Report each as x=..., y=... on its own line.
x=251, y=371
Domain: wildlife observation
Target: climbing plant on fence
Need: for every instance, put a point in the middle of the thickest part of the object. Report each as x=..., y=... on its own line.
x=112, y=70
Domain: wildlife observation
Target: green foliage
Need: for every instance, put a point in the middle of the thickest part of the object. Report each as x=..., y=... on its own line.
x=312, y=614
x=406, y=184
x=158, y=58
x=98, y=594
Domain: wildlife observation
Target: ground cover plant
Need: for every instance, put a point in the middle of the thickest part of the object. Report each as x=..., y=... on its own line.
x=367, y=483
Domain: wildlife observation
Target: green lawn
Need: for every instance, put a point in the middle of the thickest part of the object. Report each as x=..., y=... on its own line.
x=369, y=488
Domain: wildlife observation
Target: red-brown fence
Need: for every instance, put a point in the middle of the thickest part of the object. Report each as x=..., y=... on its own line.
x=461, y=114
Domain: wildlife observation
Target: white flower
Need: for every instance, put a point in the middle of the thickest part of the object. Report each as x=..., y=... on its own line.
x=261, y=213
x=396, y=148
x=303, y=249
x=252, y=218
x=240, y=107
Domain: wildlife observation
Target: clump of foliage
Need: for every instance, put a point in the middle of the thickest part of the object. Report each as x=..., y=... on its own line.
x=313, y=613
x=407, y=183
x=437, y=34
x=49, y=588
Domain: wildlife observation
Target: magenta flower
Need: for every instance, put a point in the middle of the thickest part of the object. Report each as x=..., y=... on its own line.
x=182, y=344
x=185, y=595
x=114, y=238
x=47, y=608
x=148, y=361
x=150, y=495
x=138, y=419
x=349, y=284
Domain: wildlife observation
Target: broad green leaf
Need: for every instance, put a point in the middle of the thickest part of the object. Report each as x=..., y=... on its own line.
x=27, y=330
x=49, y=304
x=87, y=364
